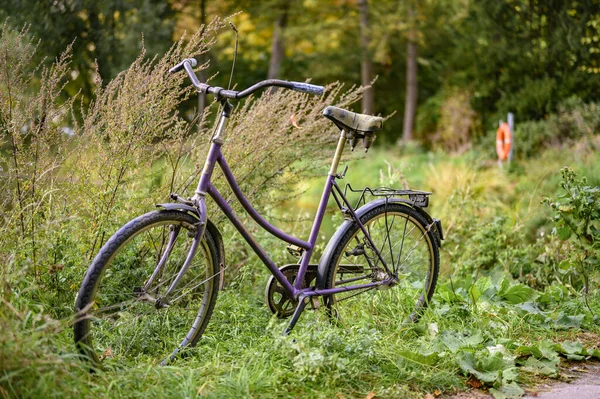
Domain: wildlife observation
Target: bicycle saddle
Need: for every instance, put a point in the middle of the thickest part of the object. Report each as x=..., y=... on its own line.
x=351, y=121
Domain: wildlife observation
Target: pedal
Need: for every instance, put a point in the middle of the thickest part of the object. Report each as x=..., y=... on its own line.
x=294, y=250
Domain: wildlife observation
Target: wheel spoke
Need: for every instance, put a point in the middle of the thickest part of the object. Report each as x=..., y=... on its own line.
x=137, y=266
x=406, y=244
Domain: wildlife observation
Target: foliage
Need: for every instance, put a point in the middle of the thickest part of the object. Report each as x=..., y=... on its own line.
x=573, y=121
x=503, y=56
x=577, y=212
x=107, y=33
x=527, y=56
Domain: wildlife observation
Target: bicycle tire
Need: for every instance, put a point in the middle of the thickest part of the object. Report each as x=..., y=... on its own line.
x=137, y=326
x=418, y=271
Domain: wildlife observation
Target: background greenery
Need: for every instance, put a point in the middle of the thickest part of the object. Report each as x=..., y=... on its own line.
x=93, y=131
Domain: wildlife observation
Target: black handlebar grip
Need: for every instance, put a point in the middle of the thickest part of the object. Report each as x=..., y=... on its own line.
x=179, y=67
x=307, y=88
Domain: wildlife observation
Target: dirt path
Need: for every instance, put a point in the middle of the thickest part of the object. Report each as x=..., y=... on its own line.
x=584, y=384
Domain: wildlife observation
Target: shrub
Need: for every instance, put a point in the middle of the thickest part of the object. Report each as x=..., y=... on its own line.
x=449, y=120
x=573, y=121
x=577, y=220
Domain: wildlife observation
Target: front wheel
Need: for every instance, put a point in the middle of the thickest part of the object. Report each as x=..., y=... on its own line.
x=119, y=313
x=407, y=244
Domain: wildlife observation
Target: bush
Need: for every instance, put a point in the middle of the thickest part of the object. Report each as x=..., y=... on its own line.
x=573, y=121
x=577, y=220
x=448, y=121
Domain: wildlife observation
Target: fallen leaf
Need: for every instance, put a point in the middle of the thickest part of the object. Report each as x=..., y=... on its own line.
x=108, y=352
x=293, y=121
x=473, y=382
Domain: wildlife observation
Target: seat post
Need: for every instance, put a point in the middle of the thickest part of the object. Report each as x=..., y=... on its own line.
x=338, y=153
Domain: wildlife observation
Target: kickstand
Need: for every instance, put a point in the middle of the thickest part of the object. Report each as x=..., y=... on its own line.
x=302, y=302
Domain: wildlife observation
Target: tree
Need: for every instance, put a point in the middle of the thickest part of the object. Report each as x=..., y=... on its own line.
x=106, y=32
x=277, y=45
x=410, y=103
x=366, y=65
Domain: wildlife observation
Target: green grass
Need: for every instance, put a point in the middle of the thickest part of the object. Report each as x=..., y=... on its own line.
x=493, y=222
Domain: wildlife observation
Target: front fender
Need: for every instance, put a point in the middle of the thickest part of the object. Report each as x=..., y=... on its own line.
x=210, y=226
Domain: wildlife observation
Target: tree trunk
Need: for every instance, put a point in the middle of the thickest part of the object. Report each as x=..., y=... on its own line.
x=410, y=105
x=277, y=47
x=366, y=66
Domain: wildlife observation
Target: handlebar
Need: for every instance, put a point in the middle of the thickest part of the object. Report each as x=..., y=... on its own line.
x=189, y=63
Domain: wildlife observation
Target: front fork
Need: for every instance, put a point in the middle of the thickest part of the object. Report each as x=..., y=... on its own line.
x=163, y=301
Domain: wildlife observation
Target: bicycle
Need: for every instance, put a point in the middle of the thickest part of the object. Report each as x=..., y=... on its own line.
x=155, y=271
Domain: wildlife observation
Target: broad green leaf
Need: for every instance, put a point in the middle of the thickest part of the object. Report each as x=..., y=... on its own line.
x=518, y=293
x=433, y=329
x=493, y=362
x=497, y=349
x=564, y=233
x=473, y=340
x=427, y=359
x=487, y=367
x=564, y=267
x=536, y=366
x=451, y=341
x=529, y=307
x=571, y=348
x=480, y=286
x=454, y=341
x=564, y=321
x=510, y=374
x=466, y=361
x=507, y=391
x=541, y=350
x=529, y=350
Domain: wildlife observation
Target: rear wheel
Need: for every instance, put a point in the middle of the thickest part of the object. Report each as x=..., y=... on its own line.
x=119, y=314
x=407, y=243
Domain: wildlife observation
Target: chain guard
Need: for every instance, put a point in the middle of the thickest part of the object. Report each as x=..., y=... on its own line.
x=276, y=298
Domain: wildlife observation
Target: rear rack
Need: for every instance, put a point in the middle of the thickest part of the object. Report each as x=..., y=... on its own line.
x=416, y=197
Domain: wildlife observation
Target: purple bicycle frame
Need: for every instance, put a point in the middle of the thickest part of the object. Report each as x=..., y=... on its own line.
x=214, y=157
